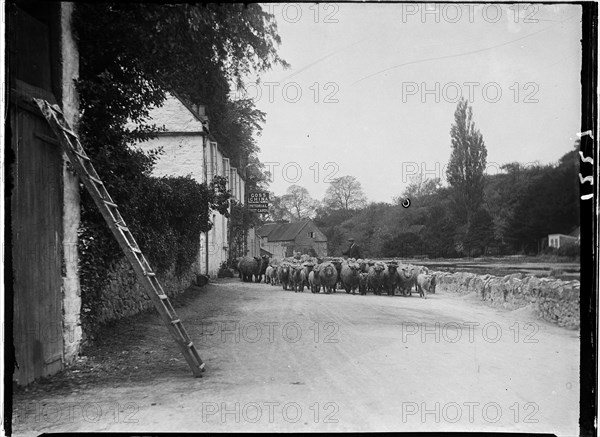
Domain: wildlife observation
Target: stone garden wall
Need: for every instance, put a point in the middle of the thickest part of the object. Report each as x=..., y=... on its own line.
x=125, y=297
x=554, y=300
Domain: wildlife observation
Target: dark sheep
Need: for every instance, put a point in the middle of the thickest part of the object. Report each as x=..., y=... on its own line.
x=296, y=278
x=283, y=271
x=375, y=278
x=306, y=269
x=248, y=266
x=390, y=278
x=314, y=281
x=362, y=283
x=350, y=276
x=262, y=268
x=328, y=276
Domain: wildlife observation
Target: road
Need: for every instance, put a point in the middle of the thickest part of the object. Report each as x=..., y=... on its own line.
x=283, y=361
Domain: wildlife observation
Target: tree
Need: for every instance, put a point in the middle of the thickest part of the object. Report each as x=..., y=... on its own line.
x=131, y=54
x=346, y=193
x=298, y=202
x=465, y=172
x=278, y=210
x=419, y=187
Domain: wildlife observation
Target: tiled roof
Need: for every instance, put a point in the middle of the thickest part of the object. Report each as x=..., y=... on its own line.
x=282, y=231
x=265, y=230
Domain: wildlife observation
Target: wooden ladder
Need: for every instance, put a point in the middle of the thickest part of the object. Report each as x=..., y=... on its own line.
x=84, y=168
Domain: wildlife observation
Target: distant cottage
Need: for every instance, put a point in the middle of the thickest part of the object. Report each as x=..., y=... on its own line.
x=281, y=240
x=558, y=240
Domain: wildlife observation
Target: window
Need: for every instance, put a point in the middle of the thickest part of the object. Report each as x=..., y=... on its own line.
x=311, y=235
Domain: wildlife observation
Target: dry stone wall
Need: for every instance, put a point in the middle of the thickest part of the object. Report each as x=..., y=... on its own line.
x=125, y=297
x=554, y=300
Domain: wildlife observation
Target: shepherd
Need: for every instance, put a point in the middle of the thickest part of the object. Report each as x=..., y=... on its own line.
x=353, y=251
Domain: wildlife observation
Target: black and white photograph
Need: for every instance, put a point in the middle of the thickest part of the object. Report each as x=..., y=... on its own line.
x=300, y=217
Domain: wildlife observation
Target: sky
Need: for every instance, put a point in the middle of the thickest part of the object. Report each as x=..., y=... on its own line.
x=372, y=89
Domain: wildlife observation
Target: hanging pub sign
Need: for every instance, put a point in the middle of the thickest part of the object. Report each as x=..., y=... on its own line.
x=258, y=201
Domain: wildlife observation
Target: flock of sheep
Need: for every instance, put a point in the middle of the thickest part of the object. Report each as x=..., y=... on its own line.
x=330, y=273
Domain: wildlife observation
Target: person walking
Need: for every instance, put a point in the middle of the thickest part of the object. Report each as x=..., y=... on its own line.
x=353, y=251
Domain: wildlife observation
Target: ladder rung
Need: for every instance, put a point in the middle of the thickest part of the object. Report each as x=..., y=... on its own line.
x=149, y=273
x=163, y=296
x=135, y=249
x=80, y=155
x=176, y=321
x=111, y=204
x=190, y=344
x=69, y=131
x=122, y=227
x=96, y=180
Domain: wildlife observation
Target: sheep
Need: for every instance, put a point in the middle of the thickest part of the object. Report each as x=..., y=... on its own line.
x=390, y=278
x=296, y=278
x=248, y=266
x=284, y=273
x=328, y=276
x=314, y=281
x=408, y=278
x=350, y=276
x=362, y=283
x=270, y=275
x=306, y=269
x=375, y=277
x=425, y=284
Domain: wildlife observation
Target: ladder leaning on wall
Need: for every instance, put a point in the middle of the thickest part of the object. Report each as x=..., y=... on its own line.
x=86, y=171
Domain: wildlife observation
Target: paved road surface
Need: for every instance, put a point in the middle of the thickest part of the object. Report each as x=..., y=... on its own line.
x=284, y=361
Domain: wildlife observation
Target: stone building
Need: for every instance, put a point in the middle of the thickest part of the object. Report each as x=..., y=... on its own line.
x=189, y=149
x=281, y=240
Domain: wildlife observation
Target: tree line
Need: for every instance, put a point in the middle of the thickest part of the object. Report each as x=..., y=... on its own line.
x=511, y=212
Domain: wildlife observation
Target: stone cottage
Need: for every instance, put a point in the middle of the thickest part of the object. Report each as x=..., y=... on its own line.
x=189, y=149
x=283, y=239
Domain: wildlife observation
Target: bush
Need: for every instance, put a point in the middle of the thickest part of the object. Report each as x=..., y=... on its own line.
x=570, y=250
x=165, y=216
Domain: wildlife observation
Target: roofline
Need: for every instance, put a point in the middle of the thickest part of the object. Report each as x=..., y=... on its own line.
x=299, y=230
x=206, y=131
x=189, y=108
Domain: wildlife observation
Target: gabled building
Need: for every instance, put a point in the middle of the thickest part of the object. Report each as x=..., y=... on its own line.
x=283, y=239
x=189, y=149
x=558, y=240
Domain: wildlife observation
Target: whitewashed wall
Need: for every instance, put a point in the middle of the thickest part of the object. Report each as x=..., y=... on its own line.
x=184, y=154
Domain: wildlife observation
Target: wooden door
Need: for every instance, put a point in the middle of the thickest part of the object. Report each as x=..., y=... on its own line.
x=37, y=204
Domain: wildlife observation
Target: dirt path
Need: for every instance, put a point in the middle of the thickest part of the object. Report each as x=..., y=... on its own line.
x=284, y=361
